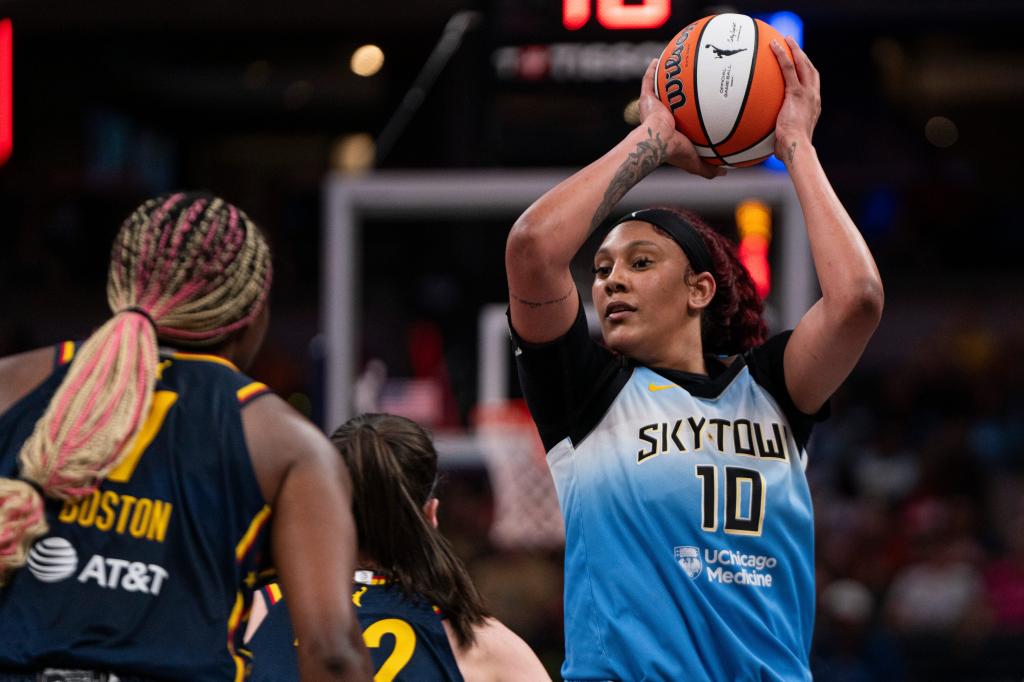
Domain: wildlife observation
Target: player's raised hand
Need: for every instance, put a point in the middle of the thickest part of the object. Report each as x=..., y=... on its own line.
x=802, y=104
x=655, y=115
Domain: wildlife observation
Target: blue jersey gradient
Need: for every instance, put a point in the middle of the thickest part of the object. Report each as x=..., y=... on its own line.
x=673, y=570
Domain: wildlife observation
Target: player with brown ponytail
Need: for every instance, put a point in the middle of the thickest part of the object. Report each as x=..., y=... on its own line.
x=138, y=475
x=410, y=585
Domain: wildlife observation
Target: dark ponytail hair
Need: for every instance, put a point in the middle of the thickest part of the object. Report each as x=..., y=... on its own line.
x=393, y=465
x=733, y=322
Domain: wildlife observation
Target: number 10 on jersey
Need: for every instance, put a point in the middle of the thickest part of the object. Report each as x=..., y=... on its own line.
x=744, y=499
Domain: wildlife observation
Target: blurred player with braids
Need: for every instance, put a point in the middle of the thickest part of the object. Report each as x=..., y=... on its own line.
x=410, y=585
x=142, y=465
x=678, y=449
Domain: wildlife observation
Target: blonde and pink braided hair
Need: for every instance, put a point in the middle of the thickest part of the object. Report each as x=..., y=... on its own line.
x=189, y=269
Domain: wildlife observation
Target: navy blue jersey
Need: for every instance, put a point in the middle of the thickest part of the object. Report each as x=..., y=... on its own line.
x=406, y=637
x=148, y=575
x=688, y=519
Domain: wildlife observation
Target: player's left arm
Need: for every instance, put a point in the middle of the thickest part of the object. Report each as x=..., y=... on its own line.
x=832, y=335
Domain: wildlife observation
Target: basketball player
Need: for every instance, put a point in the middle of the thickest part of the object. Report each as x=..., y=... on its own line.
x=678, y=449
x=411, y=586
x=143, y=465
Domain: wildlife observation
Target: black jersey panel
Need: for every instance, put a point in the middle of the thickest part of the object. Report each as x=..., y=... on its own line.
x=766, y=366
x=569, y=383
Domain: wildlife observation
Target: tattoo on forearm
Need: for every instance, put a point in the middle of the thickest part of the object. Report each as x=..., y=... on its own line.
x=538, y=304
x=790, y=153
x=648, y=155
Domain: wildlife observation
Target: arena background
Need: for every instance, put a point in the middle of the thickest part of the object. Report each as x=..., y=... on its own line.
x=918, y=477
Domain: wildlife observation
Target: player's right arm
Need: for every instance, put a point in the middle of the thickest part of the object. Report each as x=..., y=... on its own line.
x=313, y=536
x=545, y=238
x=497, y=655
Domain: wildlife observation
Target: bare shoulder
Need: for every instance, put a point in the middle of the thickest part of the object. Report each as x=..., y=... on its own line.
x=273, y=424
x=278, y=438
x=21, y=373
x=497, y=655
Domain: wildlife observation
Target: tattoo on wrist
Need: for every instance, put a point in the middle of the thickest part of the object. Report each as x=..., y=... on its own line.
x=538, y=304
x=790, y=153
x=648, y=155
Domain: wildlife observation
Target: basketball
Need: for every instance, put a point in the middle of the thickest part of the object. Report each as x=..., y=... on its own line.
x=724, y=87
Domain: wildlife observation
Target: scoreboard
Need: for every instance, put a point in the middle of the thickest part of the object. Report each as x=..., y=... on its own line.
x=582, y=41
x=591, y=41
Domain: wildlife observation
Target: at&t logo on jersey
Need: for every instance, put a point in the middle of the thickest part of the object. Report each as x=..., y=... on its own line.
x=53, y=559
x=726, y=566
x=130, y=576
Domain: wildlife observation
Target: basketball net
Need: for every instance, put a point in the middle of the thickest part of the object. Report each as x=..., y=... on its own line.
x=526, y=513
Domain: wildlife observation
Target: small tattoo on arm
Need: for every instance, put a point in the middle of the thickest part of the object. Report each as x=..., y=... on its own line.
x=538, y=304
x=790, y=153
x=648, y=155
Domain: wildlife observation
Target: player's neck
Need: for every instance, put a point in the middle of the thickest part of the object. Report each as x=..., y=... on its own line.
x=682, y=352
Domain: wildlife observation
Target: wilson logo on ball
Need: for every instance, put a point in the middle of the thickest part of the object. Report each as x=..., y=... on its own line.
x=724, y=87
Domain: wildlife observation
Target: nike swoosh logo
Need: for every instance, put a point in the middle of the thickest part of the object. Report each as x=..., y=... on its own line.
x=656, y=387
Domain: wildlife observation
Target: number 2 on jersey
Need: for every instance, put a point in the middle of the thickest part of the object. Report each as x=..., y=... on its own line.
x=405, y=645
x=737, y=520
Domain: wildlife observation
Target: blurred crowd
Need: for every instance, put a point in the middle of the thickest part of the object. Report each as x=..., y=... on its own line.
x=919, y=498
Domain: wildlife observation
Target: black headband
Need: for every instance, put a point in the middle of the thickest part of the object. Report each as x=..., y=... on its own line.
x=682, y=233
x=139, y=311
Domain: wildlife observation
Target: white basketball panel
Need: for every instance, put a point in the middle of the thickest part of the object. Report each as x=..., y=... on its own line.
x=762, y=148
x=723, y=70
x=703, y=152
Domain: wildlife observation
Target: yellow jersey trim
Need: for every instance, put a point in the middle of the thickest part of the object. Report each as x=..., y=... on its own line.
x=258, y=521
x=203, y=357
x=251, y=390
x=67, y=352
x=233, y=620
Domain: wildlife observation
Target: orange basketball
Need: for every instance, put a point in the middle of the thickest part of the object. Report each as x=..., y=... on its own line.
x=724, y=86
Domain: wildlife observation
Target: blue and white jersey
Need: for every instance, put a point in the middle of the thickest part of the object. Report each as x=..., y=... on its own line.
x=689, y=525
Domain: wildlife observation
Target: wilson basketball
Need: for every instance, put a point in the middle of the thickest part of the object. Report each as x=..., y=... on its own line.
x=720, y=79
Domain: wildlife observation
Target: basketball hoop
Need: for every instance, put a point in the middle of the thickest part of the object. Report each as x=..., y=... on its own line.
x=526, y=512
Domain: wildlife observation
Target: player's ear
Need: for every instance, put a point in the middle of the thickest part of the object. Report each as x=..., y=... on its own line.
x=430, y=511
x=702, y=290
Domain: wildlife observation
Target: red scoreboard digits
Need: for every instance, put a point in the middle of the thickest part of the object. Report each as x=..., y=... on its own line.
x=6, y=90
x=616, y=14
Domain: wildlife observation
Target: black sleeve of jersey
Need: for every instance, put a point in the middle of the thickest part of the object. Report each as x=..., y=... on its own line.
x=568, y=383
x=766, y=367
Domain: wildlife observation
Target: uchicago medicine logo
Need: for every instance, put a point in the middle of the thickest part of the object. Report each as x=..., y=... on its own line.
x=689, y=560
x=726, y=566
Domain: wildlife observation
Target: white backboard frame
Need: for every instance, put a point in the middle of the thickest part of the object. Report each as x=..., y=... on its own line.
x=469, y=194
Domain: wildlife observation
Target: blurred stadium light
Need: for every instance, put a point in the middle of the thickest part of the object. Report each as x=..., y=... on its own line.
x=6, y=90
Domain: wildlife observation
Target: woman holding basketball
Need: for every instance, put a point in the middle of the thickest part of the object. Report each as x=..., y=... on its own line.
x=678, y=450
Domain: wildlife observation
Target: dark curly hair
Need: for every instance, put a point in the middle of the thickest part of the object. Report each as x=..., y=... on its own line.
x=733, y=322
